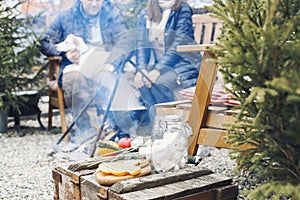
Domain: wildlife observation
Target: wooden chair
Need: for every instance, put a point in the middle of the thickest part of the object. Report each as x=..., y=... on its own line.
x=56, y=98
x=208, y=122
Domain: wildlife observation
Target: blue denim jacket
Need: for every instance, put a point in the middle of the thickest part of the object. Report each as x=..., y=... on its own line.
x=71, y=21
x=178, y=31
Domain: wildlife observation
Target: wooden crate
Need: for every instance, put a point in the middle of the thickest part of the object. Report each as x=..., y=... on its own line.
x=191, y=183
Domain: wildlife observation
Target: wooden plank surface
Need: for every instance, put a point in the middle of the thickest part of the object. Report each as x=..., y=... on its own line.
x=201, y=100
x=228, y=192
x=65, y=187
x=155, y=180
x=90, y=189
x=205, y=18
x=68, y=183
x=218, y=121
x=193, y=48
x=215, y=138
x=208, y=38
x=177, y=189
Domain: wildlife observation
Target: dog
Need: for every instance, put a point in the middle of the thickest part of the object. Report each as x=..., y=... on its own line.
x=72, y=42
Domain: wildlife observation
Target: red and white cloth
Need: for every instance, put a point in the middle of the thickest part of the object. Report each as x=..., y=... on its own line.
x=219, y=96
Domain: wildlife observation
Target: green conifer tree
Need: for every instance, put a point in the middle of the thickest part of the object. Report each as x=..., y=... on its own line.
x=259, y=55
x=19, y=52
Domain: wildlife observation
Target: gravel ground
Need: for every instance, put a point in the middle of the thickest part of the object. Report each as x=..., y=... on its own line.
x=26, y=165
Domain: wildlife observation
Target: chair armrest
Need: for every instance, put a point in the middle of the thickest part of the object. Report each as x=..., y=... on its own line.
x=194, y=48
x=54, y=58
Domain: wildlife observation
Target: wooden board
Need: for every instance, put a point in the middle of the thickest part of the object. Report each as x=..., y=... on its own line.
x=204, y=187
x=201, y=100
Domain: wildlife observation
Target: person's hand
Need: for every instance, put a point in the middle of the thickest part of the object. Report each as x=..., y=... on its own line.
x=152, y=75
x=138, y=79
x=73, y=55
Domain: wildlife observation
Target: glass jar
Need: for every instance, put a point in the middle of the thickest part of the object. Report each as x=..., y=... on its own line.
x=169, y=143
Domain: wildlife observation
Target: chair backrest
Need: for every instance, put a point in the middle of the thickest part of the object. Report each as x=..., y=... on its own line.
x=206, y=28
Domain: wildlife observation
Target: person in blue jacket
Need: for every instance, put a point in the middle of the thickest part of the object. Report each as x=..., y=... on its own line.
x=161, y=71
x=95, y=21
x=99, y=24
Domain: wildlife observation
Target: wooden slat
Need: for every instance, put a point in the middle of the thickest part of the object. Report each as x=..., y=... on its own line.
x=218, y=121
x=90, y=189
x=215, y=137
x=218, y=30
x=208, y=33
x=177, y=189
x=212, y=137
x=198, y=32
x=57, y=178
x=205, y=18
x=229, y=192
x=55, y=58
x=201, y=100
x=67, y=187
x=193, y=48
x=156, y=180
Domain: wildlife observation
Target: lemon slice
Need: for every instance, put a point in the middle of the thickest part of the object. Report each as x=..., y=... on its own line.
x=119, y=169
x=134, y=170
x=119, y=172
x=104, y=168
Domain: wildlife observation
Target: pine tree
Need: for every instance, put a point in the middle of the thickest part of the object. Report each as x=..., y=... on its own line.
x=19, y=52
x=259, y=56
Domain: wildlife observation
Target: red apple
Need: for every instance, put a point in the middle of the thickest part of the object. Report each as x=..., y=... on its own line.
x=124, y=142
